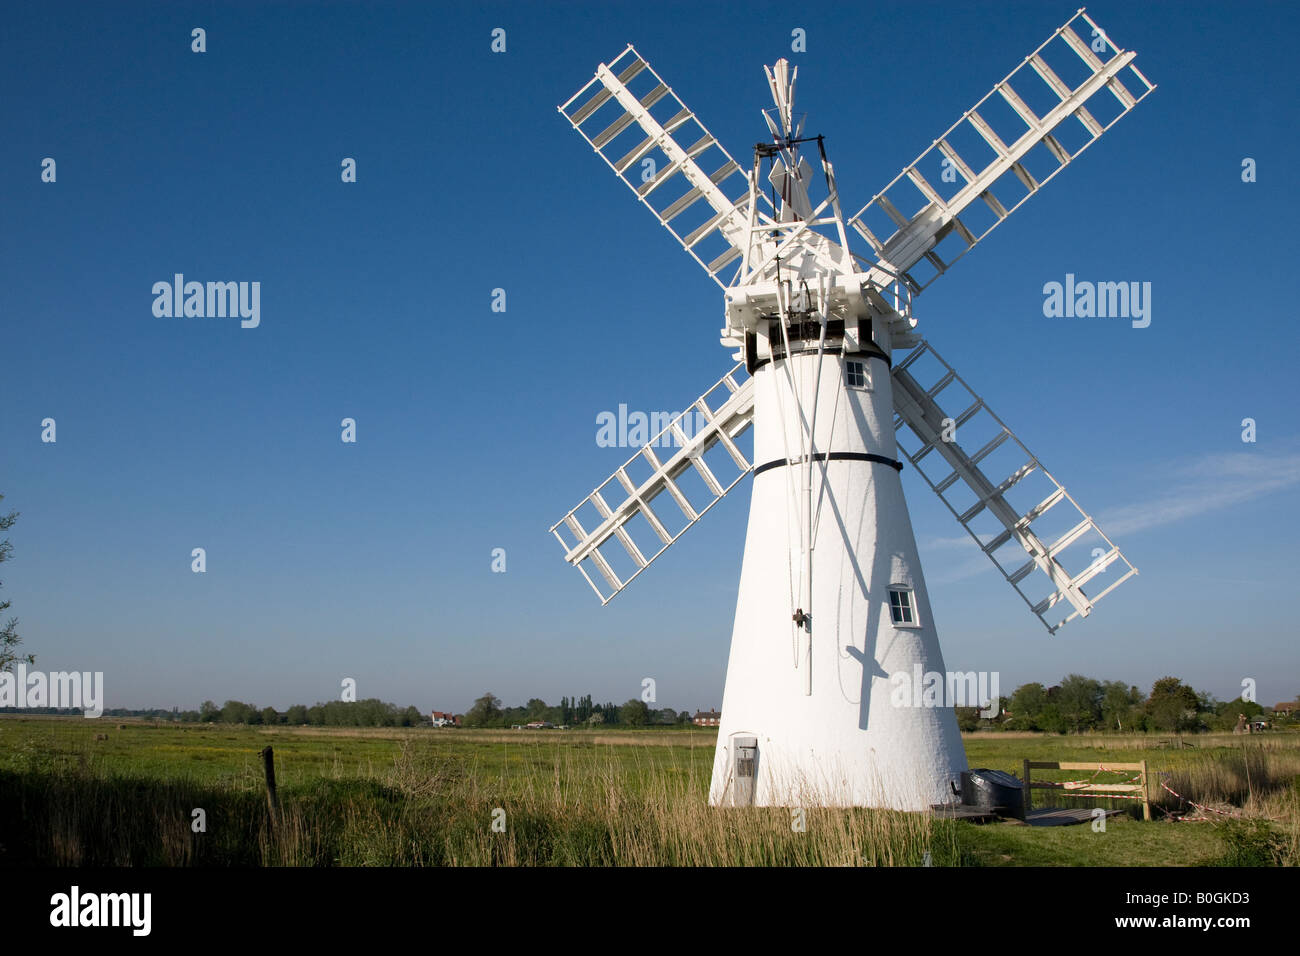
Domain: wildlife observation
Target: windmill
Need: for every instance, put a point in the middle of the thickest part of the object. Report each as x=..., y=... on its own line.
x=833, y=621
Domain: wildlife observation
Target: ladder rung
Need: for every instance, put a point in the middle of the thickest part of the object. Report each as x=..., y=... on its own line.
x=731, y=255
x=997, y=542
x=571, y=521
x=1011, y=480
x=1025, y=176
x=1080, y=47
x=1022, y=572
x=654, y=96
x=1059, y=86
x=589, y=107
x=957, y=161
x=633, y=69
x=992, y=445
x=676, y=209
x=1057, y=149
x=1121, y=92
x=999, y=210
x=1043, y=506
x=606, y=571
x=1016, y=103
x=704, y=229
x=924, y=186
x=947, y=483
x=1071, y=536
x=942, y=383
x=868, y=235
x=985, y=130
x=1089, y=121
x=891, y=211
x=1047, y=603
x=612, y=130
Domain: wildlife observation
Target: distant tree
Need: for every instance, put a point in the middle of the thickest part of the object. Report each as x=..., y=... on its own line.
x=412, y=716
x=596, y=717
x=1117, y=703
x=235, y=712
x=1050, y=720
x=1172, y=705
x=485, y=713
x=270, y=715
x=209, y=713
x=1026, y=704
x=968, y=718
x=635, y=713
x=9, y=639
x=296, y=715
x=1079, y=700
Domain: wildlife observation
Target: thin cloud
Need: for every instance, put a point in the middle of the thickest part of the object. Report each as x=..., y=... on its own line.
x=1209, y=484
x=1216, y=482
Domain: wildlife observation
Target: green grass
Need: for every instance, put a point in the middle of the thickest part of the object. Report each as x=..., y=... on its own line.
x=605, y=797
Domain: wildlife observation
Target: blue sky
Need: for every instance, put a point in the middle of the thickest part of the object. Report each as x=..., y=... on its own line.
x=477, y=430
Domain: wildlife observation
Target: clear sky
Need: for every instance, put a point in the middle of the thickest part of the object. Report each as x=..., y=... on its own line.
x=477, y=430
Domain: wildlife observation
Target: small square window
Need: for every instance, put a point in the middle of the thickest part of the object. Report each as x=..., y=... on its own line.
x=901, y=609
x=858, y=374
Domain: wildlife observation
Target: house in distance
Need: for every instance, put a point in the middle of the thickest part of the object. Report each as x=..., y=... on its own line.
x=706, y=718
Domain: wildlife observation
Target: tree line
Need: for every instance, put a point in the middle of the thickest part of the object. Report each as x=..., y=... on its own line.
x=1080, y=704
x=488, y=711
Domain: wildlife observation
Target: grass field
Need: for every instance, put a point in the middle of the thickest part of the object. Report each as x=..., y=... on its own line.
x=76, y=792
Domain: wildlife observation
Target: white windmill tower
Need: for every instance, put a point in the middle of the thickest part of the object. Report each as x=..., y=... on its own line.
x=833, y=629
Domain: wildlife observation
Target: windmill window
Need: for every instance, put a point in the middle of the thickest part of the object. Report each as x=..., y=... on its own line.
x=902, y=610
x=857, y=374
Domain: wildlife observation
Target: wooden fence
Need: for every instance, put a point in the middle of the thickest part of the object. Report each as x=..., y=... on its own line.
x=1087, y=788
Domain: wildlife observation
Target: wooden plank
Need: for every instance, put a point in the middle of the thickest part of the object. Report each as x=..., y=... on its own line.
x=1063, y=816
x=1054, y=765
x=1089, y=789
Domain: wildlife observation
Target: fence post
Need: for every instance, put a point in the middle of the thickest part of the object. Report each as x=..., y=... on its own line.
x=272, y=801
x=1146, y=793
x=1028, y=805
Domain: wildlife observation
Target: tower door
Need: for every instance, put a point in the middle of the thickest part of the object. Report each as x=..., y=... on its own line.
x=744, y=770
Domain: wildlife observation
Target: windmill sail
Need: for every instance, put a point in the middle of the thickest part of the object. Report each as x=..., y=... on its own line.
x=1006, y=518
x=637, y=134
x=624, y=533
x=1004, y=149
